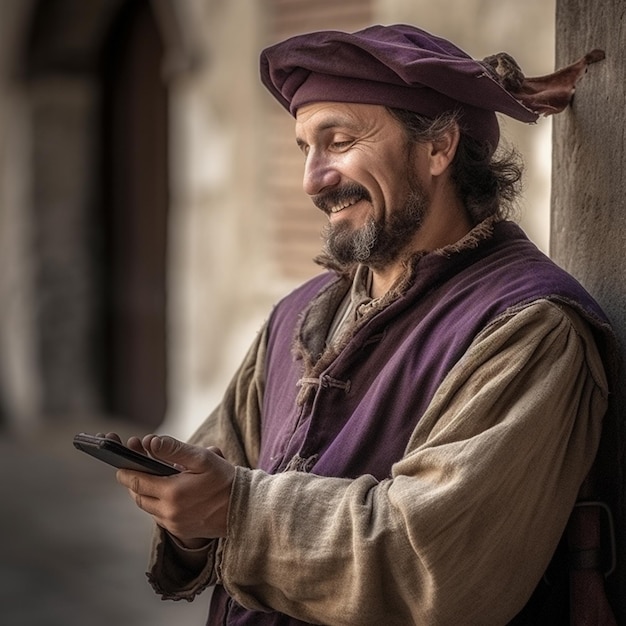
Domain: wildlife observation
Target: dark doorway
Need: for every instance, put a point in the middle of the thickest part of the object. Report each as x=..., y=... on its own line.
x=134, y=211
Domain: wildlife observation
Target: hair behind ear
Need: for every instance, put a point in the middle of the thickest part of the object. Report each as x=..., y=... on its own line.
x=488, y=184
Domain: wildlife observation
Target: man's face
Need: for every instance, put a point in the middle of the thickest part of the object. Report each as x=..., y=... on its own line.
x=362, y=172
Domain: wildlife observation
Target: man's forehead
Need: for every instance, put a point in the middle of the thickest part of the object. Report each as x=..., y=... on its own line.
x=320, y=116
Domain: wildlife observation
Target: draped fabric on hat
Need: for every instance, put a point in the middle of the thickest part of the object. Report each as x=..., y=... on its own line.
x=404, y=67
x=398, y=66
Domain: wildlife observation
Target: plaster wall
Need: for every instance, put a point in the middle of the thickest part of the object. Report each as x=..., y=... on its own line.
x=223, y=283
x=222, y=280
x=19, y=381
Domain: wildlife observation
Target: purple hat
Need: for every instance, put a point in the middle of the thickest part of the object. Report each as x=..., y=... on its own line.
x=398, y=66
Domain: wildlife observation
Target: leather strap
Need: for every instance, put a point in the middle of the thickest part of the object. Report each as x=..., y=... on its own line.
x=589, y=605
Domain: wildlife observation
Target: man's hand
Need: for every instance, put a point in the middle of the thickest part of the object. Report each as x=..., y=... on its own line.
x=192, y=505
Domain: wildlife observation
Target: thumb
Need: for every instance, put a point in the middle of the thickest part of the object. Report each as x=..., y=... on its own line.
x=175, y=452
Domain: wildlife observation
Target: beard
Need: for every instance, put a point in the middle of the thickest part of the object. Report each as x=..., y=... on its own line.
x=380, y=241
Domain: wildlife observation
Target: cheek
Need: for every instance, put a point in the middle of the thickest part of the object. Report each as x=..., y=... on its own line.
x=396, y=190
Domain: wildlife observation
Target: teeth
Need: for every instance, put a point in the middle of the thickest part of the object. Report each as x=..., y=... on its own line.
x=341, y=207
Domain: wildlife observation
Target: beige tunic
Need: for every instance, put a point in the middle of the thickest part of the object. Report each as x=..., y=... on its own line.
x=466, y=525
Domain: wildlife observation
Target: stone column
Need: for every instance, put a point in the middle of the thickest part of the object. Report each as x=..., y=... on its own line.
x=588, y=229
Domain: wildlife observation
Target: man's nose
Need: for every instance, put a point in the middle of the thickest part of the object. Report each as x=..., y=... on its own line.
x=319, y=174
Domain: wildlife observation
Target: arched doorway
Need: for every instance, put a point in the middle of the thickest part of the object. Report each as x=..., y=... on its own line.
x=134, y=214
x=100, y=202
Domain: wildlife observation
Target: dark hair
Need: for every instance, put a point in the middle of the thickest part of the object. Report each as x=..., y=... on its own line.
x=488, y=184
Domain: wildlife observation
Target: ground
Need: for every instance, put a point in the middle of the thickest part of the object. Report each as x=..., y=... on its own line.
x=73, y=546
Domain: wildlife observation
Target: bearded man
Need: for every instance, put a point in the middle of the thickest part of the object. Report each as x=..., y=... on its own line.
x=406, y=438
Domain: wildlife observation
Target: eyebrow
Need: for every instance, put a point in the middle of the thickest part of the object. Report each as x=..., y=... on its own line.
x=328, y=124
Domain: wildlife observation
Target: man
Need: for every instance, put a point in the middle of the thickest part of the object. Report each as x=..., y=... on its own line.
x=406, y=438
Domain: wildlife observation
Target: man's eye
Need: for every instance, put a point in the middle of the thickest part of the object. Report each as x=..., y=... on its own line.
x=340, y=145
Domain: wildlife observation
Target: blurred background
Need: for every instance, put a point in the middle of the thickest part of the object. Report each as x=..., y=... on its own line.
x=150, y=215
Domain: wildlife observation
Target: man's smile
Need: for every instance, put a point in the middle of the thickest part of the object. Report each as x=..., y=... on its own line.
x=332, y=202
x=344, y=205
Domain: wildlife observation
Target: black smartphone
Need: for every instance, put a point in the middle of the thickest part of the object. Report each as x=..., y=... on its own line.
x=118, y=455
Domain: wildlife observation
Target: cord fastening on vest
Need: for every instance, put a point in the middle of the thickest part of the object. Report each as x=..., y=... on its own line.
x=325, y=381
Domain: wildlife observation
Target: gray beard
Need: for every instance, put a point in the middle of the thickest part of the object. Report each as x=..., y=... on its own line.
x=377, y=243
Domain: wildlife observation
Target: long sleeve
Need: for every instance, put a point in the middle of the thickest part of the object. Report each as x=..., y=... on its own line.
x=234, y=428
x=472, y=513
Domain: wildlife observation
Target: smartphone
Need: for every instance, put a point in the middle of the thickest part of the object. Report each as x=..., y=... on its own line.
x=118, y=455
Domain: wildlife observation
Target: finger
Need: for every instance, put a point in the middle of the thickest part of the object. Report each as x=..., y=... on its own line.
x=141, y=483
x=113, y=436
x=134, y=443
x=193, y=458
x=146, y=503
x=147, y=440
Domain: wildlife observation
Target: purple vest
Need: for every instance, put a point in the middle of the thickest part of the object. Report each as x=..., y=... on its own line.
x=364, y=406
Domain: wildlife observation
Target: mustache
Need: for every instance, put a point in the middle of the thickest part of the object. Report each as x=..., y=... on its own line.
x=348, y=193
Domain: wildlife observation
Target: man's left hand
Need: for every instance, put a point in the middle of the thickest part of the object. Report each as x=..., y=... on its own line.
x=193, y=505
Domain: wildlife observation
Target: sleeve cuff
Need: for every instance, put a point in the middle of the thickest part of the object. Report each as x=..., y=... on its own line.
x=179, y=573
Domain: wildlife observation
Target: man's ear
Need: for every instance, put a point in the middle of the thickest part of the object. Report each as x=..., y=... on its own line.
x=443, y=150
